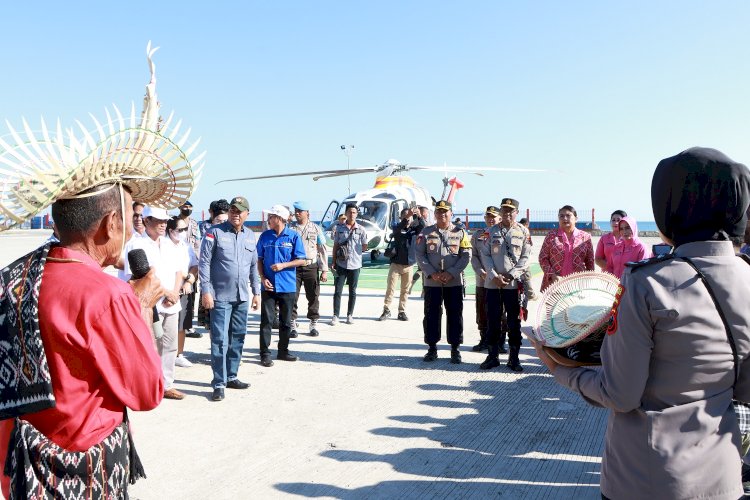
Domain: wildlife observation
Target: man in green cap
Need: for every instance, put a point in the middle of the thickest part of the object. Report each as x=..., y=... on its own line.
x=228, y=258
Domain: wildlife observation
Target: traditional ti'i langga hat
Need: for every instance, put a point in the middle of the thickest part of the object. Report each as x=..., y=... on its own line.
x=572, y=317
x=144, y=154
x=149, y=156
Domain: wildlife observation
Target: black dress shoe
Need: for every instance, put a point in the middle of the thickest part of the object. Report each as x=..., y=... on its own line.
x=455, y=356
x=386, y=314
x=266, y=361
x=490, y=363
x=314, y=332
x=431, y=355
x=237, y=384
x=481, y=346
x=402, y=316
x=293, y=334
x=286, y=356
x=218, y=394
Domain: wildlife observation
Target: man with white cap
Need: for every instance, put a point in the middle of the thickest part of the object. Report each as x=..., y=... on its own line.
x=165, y=330
x=316, y=260
x=280, y=251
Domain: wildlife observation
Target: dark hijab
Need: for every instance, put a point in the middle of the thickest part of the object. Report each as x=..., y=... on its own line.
x=699, y=195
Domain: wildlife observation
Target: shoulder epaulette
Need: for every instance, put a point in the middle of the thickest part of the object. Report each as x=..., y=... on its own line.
x=647, y=262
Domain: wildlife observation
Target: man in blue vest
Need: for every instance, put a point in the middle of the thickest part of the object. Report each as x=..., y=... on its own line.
x=280, y=251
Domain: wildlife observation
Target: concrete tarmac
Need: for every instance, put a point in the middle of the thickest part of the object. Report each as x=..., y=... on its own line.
x=360, y=415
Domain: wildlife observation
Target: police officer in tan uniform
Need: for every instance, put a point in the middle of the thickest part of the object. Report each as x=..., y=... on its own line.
x=678, y=344
x=315, y=269
x=478, y=240
x=443, y=252
x=506, y=258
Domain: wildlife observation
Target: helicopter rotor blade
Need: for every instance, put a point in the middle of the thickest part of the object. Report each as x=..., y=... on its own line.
x=321, y=173
x=475, y=170
x=345, y=172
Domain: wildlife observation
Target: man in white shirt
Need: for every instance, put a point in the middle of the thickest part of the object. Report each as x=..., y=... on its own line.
x=159, y=257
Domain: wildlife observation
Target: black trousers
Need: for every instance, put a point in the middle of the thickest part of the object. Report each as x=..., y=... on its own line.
x=187, y=323
x=350, y=276
x=268, y=301
x=481, y=305
x=499, y=301
x=308, y=277
x=452, y=298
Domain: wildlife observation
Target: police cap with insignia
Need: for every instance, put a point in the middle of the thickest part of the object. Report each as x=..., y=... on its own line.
x=443, y=205
x=493, y=210
x=509, y=203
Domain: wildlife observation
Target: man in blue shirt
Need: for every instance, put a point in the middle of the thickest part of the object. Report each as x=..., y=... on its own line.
x=280, y=251
x=228, y=259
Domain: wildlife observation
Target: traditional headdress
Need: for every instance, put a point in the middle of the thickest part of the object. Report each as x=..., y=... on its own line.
x=147, y=155
x=144, y=155
x=572, y=316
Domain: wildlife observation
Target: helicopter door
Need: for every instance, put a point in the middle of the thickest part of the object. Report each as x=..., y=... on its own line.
x=395, y=215
x=329, y=214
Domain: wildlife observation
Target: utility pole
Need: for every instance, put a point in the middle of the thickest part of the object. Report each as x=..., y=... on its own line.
x=348, y=151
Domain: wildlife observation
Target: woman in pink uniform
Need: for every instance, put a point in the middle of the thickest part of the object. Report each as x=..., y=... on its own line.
x=630, y=248
x=565, y=250
x=603, y=255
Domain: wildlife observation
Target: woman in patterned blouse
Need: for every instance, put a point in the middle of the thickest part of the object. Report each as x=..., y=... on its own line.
x=565, y=250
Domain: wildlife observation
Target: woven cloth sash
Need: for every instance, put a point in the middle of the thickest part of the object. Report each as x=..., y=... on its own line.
x=39, y=469
x=25, y=382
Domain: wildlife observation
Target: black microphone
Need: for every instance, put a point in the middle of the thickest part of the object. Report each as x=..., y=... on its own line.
x=138, y=263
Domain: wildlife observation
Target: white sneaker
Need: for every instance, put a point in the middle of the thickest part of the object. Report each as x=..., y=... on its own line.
x=334, y=321
x=349, y=320
x=182, y=362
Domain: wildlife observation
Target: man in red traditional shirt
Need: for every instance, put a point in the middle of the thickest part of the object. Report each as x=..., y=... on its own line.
x=75, y=350
x=100, y=352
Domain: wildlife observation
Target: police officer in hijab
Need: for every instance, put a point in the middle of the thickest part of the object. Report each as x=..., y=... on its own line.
x=678, y=343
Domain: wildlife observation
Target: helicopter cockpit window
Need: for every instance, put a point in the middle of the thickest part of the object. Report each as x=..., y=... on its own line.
x=374, y=212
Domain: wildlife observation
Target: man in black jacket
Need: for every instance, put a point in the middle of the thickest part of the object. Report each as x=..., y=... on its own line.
x=402, y=261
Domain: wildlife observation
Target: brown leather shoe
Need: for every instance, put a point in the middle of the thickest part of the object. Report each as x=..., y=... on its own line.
x=173, y=394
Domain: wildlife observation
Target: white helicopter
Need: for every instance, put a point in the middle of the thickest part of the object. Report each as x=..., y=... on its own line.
x=380, y=207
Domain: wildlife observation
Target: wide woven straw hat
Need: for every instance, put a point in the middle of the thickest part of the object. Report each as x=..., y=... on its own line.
x=573, y=315
x=150, y=156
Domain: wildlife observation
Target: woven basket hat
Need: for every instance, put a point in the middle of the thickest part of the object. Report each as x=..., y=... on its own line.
x=144, y=153
x=573, y=315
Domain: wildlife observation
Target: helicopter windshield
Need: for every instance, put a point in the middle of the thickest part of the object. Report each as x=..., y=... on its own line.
x=370, y=212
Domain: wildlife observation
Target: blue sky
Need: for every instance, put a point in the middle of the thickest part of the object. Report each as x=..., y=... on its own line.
x=599, y=90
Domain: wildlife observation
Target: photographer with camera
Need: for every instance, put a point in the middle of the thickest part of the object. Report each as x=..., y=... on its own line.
x=401, y=253
x=349, y=243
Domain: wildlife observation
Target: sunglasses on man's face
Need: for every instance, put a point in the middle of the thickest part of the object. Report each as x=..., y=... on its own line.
x=181, y=230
